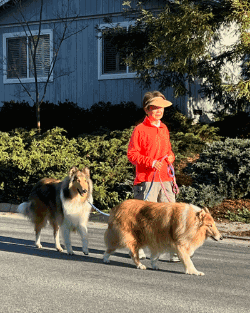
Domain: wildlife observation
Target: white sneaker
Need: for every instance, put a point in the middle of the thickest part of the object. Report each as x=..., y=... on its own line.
x=174, y=257
x=163, y=257
x=142, y=255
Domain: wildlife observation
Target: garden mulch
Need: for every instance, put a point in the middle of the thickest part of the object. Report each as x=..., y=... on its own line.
x=231, y=228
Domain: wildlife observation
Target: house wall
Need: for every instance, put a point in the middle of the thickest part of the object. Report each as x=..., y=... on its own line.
x=78, y=56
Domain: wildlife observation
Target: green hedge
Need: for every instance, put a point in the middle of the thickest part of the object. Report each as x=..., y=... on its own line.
x=67, y=115
x=240, y=122
x=26, y=157
x=98, y=119
x=221, y=172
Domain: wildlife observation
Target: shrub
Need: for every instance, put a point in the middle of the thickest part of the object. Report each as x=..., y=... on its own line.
x=113, y=116
x=16, y=115
x=179, y=123
x=242, y=216
x=240, y=122
x=26, y=157
x=113, y=175
x=67, y=115
x=99, y=119
x=221, y=172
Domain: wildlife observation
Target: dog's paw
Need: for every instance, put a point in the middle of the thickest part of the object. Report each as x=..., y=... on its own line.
x=70, y=252
x=200, y=273
x=59, y=249
x=39, y=246
x=141, y=267
x=197, y=273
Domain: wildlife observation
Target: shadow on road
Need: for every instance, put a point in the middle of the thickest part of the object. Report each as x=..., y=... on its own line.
x=16, y=245
x=22, y=246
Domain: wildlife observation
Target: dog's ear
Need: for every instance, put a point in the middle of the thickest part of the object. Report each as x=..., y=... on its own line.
x=206, y=210
x=201, y=215
x=72, y=171
x=86, y=171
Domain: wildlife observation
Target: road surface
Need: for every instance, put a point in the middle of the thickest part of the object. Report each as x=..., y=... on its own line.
x=33, y=280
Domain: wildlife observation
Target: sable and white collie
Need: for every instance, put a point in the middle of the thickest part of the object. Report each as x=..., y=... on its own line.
x=176, y=227
x=65, y=204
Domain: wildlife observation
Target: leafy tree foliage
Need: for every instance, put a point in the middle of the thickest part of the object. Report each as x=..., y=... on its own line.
x=179, y=43
x=241, y=14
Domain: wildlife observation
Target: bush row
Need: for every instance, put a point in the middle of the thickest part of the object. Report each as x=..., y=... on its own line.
x=26, y=157
x=221, y=171
x=240, y=122
x=67, y=115
x=99, y=119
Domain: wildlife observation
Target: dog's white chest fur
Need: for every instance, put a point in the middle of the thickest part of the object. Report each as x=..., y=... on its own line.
x=76, y=215
x=75, y=212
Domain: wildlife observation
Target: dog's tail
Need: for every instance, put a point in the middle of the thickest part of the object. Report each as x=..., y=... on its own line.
x=24, y=208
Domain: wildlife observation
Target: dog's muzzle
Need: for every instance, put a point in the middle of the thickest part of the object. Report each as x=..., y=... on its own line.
x=215, y=239
x=82, y=192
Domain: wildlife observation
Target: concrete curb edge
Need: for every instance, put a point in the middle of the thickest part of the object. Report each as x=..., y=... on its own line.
x=95, y=217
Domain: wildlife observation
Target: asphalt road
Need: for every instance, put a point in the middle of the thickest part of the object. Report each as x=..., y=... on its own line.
x=33, y=280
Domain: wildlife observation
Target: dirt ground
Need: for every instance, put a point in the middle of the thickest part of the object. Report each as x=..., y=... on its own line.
x=231, y=228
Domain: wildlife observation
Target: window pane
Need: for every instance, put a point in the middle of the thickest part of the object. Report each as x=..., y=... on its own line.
x=42, y=56
x=16, y=57
x=112, y=59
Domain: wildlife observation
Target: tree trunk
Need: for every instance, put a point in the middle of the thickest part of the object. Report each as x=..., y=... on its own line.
x=38, y=118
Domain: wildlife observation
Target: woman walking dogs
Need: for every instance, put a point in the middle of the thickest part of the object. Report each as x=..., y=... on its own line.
x=150, y=151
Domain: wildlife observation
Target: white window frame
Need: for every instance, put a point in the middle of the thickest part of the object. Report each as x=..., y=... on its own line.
x=101, y=75
x=24, y=34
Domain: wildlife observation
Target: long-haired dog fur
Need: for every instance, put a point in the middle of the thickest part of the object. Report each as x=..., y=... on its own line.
x=176, y=227
x=64, y=204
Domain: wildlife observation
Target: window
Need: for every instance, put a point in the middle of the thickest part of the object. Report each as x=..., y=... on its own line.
x=17, y=52
x=110, y=61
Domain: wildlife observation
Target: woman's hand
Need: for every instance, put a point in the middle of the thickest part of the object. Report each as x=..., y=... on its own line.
x=158, y=165
x=170, y=159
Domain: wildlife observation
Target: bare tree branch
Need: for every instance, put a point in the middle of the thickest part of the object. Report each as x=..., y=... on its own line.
x=33, y=46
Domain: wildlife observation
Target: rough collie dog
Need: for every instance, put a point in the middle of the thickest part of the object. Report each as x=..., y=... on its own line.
x=64, y=204
x=176, y=227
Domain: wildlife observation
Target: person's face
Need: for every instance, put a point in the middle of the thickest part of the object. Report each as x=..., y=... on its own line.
x=155, y=113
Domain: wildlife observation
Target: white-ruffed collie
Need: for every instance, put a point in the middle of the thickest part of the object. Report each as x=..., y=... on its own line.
x=177, y=227
x=65, y=204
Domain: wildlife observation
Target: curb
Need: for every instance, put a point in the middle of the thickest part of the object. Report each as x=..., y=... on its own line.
x=8, y=207
x=12, y=208
x=236, y=237
x=98, y=217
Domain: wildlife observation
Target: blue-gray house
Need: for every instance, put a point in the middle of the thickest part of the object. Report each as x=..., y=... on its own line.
x=87, y=69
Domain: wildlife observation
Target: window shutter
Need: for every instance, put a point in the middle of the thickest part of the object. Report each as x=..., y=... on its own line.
x=112, y=62
x=42, y=56
x=17, y=57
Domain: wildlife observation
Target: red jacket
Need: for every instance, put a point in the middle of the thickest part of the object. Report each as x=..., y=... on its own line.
x=147, y=144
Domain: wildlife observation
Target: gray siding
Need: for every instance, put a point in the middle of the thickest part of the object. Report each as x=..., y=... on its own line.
x=78, y=56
